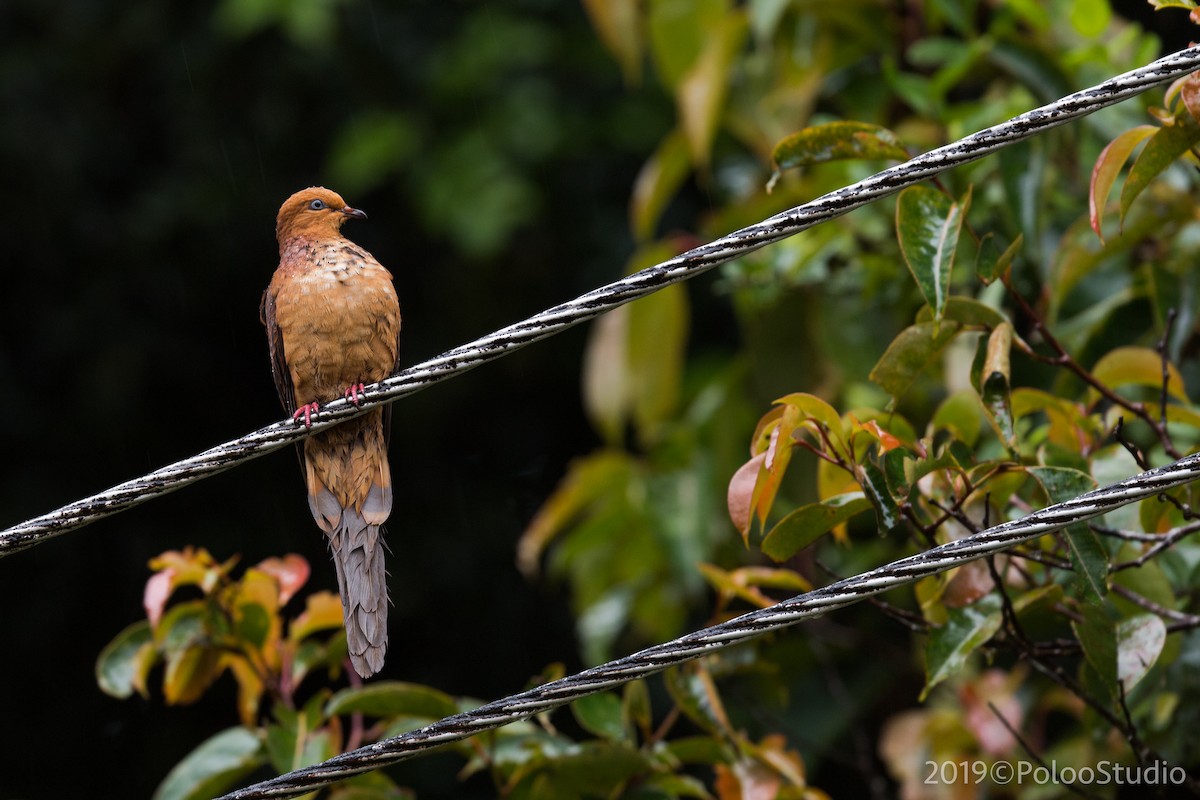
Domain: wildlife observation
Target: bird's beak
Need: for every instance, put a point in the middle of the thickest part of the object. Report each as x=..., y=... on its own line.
x=354, y=212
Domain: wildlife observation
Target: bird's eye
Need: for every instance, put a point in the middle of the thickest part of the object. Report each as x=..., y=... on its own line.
x=317, y=205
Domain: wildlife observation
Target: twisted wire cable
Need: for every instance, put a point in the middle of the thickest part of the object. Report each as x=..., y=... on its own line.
x=735, y=631
x=585, y=307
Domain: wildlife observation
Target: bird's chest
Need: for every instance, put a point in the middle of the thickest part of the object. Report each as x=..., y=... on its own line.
x=339, y=319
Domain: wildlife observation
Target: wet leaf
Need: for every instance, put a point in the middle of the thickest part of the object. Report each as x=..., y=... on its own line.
x=835, y=141
x=1140, y=641
x=1088, y=555
x=966, y=630
x=928, y=224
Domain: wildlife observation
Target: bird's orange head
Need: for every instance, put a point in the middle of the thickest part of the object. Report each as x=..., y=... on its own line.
x=313, y=213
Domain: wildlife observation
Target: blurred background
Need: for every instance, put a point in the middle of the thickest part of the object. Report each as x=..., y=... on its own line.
x=145, y=149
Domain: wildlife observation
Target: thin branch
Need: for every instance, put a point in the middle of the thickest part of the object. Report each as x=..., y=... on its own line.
x=596, y=302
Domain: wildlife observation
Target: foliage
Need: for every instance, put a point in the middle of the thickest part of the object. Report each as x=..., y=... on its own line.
x=290, y=717
x=906, y=413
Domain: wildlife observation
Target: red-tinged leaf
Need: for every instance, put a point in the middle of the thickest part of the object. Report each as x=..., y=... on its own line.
x=808, y=523
x=618, y=24
x=158, y=591
x=746, y=779
x=1108, y=166
x=740, y=496
x=291, y=572
x=1161, y=151
x=886, y=440
x=1189, y=92
x=1140, y=641
x=773, y=752
x=911, y=353
x=835, y=141
x=116, y=666
x=213, y=767
x=928, y=224
x=657, y=182
x=1138, y=366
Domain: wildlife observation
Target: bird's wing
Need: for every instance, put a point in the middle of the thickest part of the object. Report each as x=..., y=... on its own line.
x=279, y=367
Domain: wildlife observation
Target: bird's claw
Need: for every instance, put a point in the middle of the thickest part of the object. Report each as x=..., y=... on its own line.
x=307, y=411
x=353, y=392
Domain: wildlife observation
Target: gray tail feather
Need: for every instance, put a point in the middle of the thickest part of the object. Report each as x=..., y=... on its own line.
x=358, y=555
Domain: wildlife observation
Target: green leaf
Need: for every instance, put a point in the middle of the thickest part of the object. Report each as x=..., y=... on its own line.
x=657, y=182
x=959, y=414
x=966, y=630
x=213, y=767
x=1088, y=556
x=618, y=23
x=1137, y=366
x=601, y=715
x=967, y=311
x=593, y=769
x=835, y=141
x=995, y=394
x=927, y=225
x=678, y=30
x=635, y=706
x=700, y=95
x=391, y=699
x=887, y=513
x=117, y=664
x=910, y=354
x=696, y=696
x=370, y=149
x=1090, y=17
x=1160, y=152
x=1140, y=641
x=991, y=262
x=808, y=523
x=1108, y=166
x=1097, y=633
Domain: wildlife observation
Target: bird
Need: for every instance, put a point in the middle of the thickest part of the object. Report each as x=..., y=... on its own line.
x=333, y=324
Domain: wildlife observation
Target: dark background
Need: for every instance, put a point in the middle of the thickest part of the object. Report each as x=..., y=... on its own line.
x=145, y=148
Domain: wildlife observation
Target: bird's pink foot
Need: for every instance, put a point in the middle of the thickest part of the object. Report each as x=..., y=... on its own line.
x=354, y=391
x=306, y=411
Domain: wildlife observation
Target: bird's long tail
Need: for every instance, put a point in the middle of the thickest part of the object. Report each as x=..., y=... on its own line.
x=350, y=495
